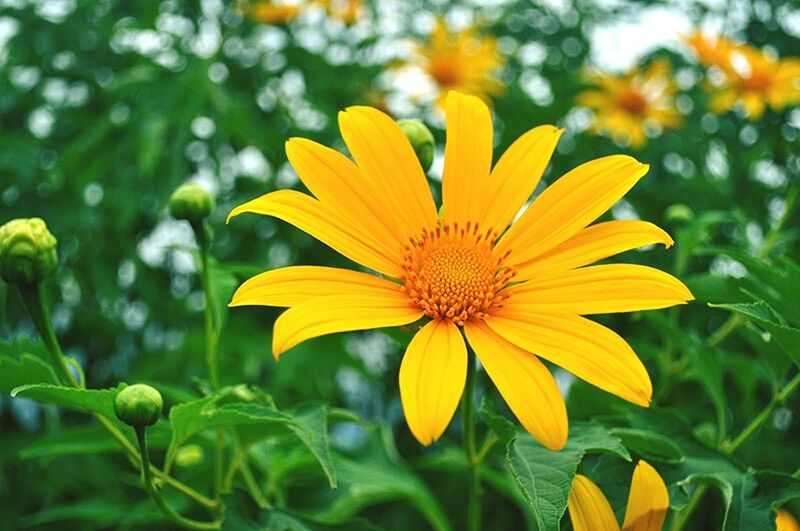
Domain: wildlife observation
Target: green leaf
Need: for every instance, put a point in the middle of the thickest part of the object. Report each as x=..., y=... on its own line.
x=787, y=337
x=87, y=439
x=22, y=363
x=88, y=400
x=545, y=477
x=649, y=445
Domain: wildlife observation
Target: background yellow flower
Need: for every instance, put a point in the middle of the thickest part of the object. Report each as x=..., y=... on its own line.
x=626, y=106
x=750, y=78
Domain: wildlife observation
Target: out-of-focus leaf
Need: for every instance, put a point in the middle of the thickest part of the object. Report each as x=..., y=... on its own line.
x=545, y=477
x=500, y=425
x=378, y=475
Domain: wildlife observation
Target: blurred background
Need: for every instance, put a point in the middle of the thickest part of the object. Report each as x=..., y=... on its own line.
x=107, y=106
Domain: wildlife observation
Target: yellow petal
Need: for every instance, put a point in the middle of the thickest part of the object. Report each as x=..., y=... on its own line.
x=785, y=521
x=524, y=383
x=290, y=286
x=595, y=243
x=588, y=350
x=589, y=509
x=341, y=313
x=336, y=181
x=569, y=205
x=387, y=159
x=467, y=158
x=516, y=174
x=648, y=500
x=432, y=377
x=345, y=235
x=609, y=288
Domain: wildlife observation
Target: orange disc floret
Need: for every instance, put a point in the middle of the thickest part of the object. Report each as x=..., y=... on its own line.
x=451, y=273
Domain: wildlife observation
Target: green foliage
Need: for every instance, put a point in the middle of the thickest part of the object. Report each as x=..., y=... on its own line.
x=106, y=108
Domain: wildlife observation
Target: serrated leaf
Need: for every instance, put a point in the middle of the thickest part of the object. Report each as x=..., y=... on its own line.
x=88, y=400
x=545, y=477
x=22, y=362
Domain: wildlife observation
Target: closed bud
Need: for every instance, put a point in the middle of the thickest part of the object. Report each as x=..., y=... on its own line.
x=138, y=405
x=27, y=251
x=191, y=202
x=421, y=140
x=679, y=213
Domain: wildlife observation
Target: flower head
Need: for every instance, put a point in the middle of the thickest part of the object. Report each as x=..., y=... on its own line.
x=27, y=251
x=648, y=502
x=464, y=61
x=747, y=77
x=515, y=293
x=626, y=105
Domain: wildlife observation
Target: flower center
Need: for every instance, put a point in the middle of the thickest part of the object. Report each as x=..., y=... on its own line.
x=632, y=101
x=451, y=273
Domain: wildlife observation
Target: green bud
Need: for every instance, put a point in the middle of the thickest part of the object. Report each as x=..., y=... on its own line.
x=421, y=140
x=191, y=202
x=678, y=212
x=138, y=405
x=189, y=455
x=27, y=251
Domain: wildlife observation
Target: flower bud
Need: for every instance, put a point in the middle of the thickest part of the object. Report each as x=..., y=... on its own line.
x=191, y=202
x=678, y=213
x=138, y=405
x=27, y=251
x=421, y=140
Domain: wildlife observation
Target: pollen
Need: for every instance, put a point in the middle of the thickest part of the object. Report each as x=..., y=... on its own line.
x=452, y=273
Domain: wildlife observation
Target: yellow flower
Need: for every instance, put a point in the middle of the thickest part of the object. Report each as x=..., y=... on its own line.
x=785, y=521
x=750, y=78
x=271, y=12
x=515, y=298
x=648, y=502
x=346, y=11
x=464, y=61
x=626, y=105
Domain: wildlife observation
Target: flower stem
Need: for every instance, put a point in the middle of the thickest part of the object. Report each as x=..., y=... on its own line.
x=36, y=304
x=470, y=448
x=147, y=479
x=212, y=341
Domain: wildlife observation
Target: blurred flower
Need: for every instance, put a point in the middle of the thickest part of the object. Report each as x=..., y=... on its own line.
x=648, y=502
x=785, y=521
x=511, y=297
x=462, y=61
x=747, y=77
x=627, y=105
x=346, y=11
x=271, y=12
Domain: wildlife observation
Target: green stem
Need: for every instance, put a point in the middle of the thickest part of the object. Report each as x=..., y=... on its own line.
x=147, y=479
x=212, y=340
x=468, y=420
x=35, y=303
x=758, y=421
